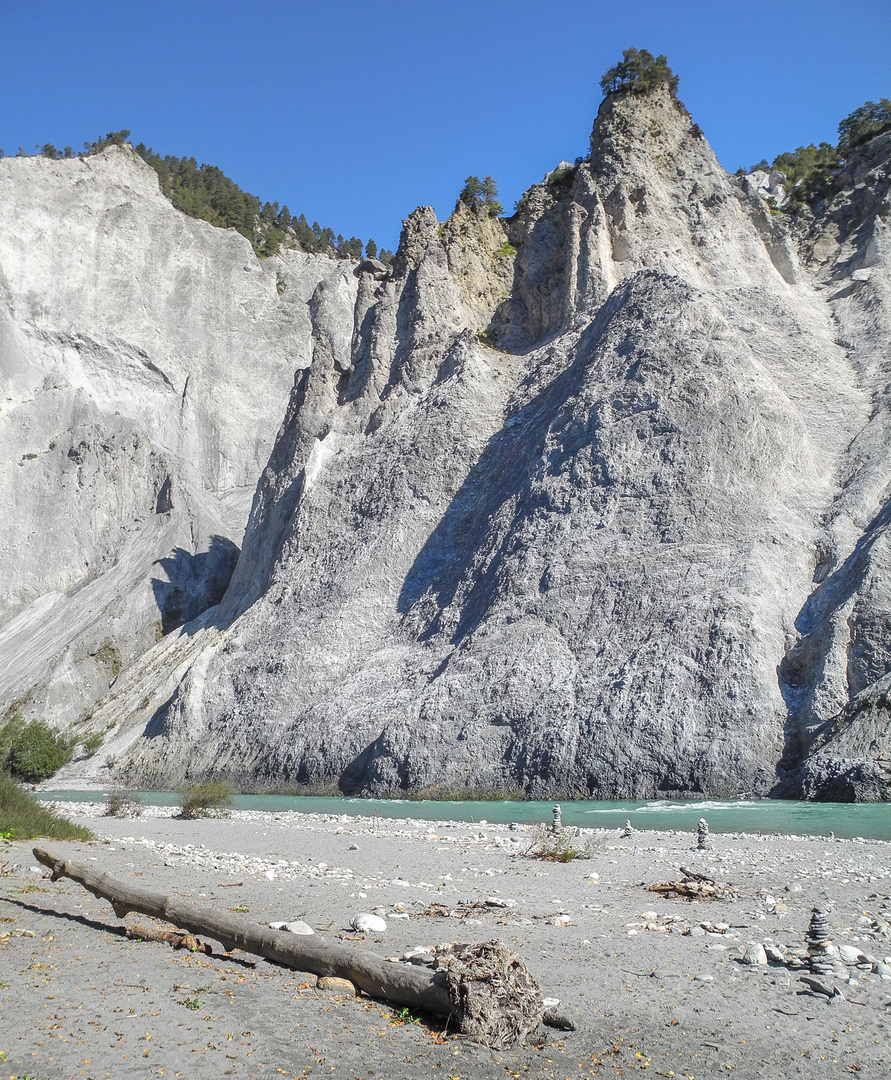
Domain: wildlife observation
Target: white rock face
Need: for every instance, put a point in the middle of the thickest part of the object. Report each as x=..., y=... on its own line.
x=144, y=359
x=593, y=500
x=574, y=561
x=771, y=186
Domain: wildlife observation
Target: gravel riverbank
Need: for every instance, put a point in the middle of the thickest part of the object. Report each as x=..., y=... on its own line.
x=652, y=983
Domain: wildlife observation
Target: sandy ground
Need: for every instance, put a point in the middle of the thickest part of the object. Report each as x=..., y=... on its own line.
x=659, y=994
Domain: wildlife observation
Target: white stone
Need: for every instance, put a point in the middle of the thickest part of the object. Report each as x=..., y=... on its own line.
x=755, y=954
x=368, y=924
x=294, y=926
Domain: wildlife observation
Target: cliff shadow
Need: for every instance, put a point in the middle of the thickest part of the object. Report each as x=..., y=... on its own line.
x=802, y=669
x=194, y=582
x=504, y=473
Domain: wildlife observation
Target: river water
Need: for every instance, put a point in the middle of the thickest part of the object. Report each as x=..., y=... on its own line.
x=867, y=820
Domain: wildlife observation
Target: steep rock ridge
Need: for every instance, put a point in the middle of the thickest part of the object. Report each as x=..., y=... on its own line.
x=573, y=562
x=144, y=357
x=836, y=672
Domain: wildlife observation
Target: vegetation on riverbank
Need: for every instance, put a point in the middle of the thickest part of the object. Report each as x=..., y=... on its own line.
x=22, y=817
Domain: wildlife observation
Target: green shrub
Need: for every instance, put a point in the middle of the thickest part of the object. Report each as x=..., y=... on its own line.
x=210, y=798
x=36, y=752
x=812, y=172
x=563, y=846
x=22, y=817
x=92, y=743
x=123, y=804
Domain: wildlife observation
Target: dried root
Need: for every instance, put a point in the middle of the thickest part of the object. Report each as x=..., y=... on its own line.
x=493, y=994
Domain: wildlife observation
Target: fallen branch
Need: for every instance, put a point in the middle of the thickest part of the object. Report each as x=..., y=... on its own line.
x=178, y=939
x=485, y=987
x=691, y=875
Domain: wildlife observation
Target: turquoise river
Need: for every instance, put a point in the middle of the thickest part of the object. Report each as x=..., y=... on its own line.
x=867, y=820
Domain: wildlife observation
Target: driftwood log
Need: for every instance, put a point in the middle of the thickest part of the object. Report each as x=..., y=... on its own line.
x=402, y=984
x=484, y=988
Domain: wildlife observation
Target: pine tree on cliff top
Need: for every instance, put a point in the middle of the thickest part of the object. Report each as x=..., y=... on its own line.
x=639, y=72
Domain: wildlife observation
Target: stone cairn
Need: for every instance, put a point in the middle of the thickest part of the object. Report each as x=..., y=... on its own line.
x=629, y=828
x=557, y=823
x=821, y=953
x=703, y=840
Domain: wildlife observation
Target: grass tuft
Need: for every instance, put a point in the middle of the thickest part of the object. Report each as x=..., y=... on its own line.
x=563, y=846
x=22, y=817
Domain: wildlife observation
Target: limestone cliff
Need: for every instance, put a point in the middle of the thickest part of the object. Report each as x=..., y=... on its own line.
x=144, y=358
x=589, y=501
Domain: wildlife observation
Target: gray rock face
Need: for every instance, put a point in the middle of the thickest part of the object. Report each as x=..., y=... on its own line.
x=573, y=562
x=144, y=358
x=588, y=502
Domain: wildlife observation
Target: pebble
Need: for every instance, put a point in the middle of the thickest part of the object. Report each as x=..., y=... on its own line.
x=419, y=956
x=296, y=926
x=755, y=954
x=366, y=923
x=329, y=982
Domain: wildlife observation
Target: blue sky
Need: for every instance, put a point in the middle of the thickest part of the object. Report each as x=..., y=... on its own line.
x=355, y=112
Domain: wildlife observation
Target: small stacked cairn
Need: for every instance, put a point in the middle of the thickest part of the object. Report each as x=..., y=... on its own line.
x=557, y=823
x=629, y=828
x=820, y=950
x=703, y=840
